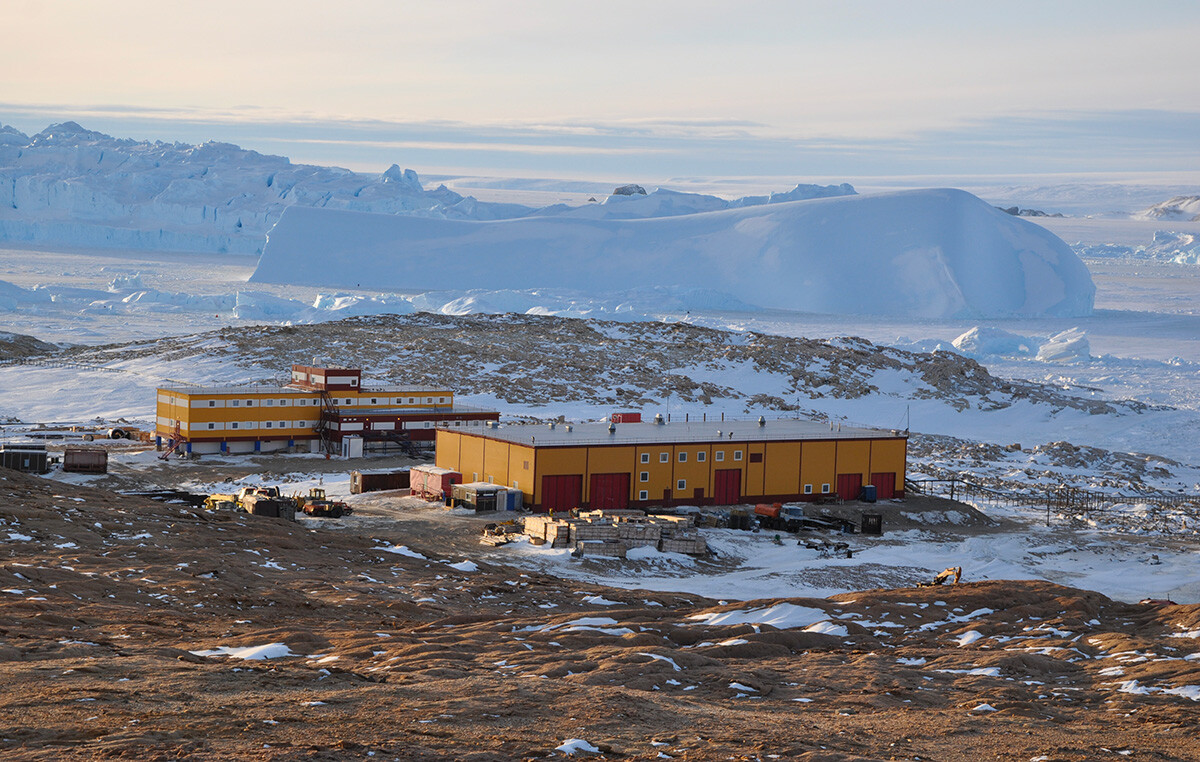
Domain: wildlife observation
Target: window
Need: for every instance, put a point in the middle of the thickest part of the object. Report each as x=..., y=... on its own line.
x=808, y=489
x=458, y=423
x=644, y=476
x=269, y=424
x=756, y=457
x=249, y=403
x=237, y=403
x=824, y=489
x=270, y=403
x=411, y=401
x=349, y=401
x=701, y=456
x=719, y=455
x=643, y=495
x=212, y=403
x=681, y=484
x=212, y=425
x=374, y=401
x=283, y=424
x=282, y=403
x=441, y=400
x=429, y=424
x=664, y=457
x=429, y=400
x=737, y=454
x=682, y=457
x=354, y=382
x=233, y=425
x=645, y=457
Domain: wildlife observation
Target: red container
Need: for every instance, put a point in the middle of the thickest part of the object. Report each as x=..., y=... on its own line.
x=770, y=511
x=625, y=418
x=431, y=482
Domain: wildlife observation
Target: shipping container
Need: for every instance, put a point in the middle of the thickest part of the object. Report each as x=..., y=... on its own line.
x=25, y=457
x=376, y=481
x=482, y=497
x=432, y=482
x=85, y=460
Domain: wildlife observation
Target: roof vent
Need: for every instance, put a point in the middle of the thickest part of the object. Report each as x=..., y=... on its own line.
x=718, y=433
x=551, y=425
x=658, y=418
x=570, y=428
x=612, y=428
x=762, y=421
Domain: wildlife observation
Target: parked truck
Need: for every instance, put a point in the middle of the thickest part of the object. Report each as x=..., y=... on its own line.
x=315, y=503
x=258, y=501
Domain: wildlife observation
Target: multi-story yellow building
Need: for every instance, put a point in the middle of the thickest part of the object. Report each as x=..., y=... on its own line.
x=321, y=405
x=698, y=463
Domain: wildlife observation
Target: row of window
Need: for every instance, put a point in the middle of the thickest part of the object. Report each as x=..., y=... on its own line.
x=303, y=401
x=681, y=485
x=701, y=456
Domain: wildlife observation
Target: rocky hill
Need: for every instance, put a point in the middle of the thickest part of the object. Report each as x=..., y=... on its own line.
x=137, y=629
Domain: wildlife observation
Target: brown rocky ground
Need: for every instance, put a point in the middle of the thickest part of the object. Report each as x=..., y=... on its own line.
x=399, y=656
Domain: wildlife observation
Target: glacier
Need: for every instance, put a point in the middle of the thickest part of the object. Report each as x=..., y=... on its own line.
x=939, y=253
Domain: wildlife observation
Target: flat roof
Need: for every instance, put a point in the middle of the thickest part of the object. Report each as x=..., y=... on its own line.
x=566, y=435
x=252, y=389
x=412, y=411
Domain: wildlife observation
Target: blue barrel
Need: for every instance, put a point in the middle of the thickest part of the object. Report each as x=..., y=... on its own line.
x=868, y=493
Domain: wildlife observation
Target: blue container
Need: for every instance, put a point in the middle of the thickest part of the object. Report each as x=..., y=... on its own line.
x=868, y=493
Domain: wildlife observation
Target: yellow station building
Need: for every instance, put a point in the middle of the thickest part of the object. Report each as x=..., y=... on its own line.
x=632, y=465
x=319, y=402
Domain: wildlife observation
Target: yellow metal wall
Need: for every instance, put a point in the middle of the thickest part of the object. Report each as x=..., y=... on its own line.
x=609, y=460
x=694, y=472
x=660, y=473
x=782, y=474
x=817, y=460
x=495, y=461
x=786, y=466
x=889, y=455
x=854, y=457
x=558, y=461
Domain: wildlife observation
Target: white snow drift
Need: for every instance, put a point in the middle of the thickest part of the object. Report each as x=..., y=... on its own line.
x=930, y=253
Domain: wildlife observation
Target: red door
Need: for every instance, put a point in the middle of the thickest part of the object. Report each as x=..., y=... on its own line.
x=561, y=493
x=849, y=486
x=727, y=486
x=885, y=485
x=610, y=492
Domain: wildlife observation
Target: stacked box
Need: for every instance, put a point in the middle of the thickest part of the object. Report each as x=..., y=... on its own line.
x=693, y=546
x=558, y=533
x=581, y=531
x=535, y=527
x=639, y=535
x=613, y=513
x=681, y=522
x=611, y=549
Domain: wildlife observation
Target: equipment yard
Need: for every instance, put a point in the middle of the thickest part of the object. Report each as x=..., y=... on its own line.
x=135, y=627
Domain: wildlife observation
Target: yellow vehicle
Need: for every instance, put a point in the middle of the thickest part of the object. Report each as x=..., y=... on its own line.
x=315, y=503
x=225, y=501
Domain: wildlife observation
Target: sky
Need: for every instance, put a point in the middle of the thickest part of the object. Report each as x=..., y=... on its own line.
x=659, y=88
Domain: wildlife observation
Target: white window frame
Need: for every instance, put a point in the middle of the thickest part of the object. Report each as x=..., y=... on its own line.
x=719, y=456
x=644, y=476
x=808, y=489
x=824, y=489
x=701, y=456
x=643, y=495
x=683, y=456
x=680, y=485
x=737, y=454
x=664, y=457
x=645, y=457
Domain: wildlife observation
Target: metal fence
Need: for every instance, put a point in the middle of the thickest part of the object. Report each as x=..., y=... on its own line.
x=1060, y=499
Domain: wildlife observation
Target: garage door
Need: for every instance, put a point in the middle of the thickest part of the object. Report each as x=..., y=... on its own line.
x=727, y=486
x=849, y=486
x=885, y=485
x=561, y=493
x=609, y=492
